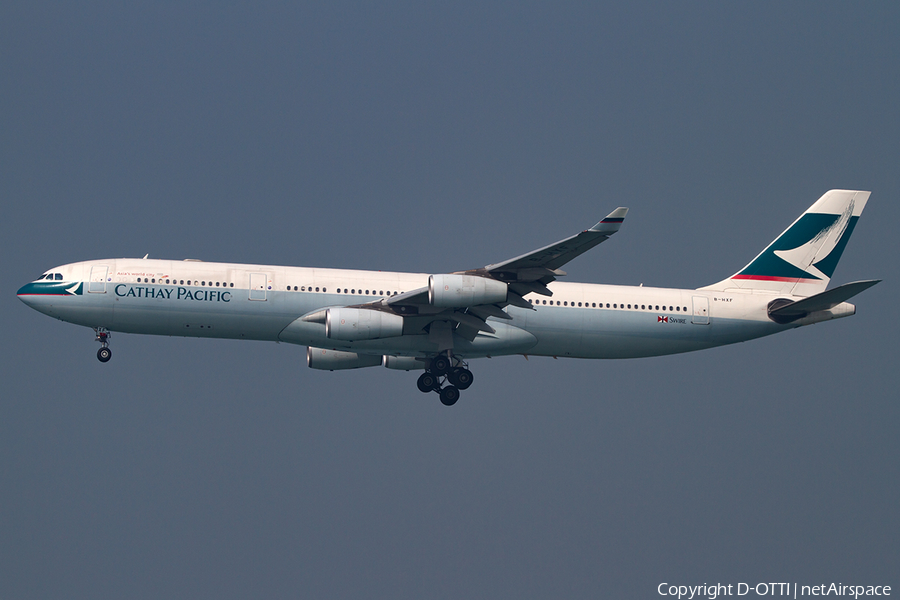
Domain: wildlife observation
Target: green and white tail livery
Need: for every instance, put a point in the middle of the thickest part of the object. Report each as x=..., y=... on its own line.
x=801, y=261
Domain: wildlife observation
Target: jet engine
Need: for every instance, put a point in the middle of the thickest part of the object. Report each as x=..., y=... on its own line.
x=335, y=360
x=402, y=363
x=459, y=291
x=354, y=324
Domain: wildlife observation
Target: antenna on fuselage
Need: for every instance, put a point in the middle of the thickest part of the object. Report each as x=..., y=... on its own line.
x=145, y=256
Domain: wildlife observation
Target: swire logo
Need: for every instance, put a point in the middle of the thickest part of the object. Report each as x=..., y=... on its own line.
x=662, y=319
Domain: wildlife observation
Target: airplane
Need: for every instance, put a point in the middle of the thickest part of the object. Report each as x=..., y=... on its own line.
x=435, y=323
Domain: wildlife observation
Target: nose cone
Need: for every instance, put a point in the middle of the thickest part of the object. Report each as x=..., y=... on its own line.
x=27, y=294
x=36, y=298
x=47, y=296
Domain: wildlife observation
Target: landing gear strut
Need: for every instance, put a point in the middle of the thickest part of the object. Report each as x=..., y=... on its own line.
x=453, y=371
x=104, y=353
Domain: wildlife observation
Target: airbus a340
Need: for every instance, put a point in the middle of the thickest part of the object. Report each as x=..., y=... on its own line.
x=435, y=323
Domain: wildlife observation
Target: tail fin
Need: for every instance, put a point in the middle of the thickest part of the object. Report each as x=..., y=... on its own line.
x=802, y=259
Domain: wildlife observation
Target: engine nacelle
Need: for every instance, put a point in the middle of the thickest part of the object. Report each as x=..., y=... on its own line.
x=459, y=291
x=335, y=360
x=402, y=363
x=354, y=324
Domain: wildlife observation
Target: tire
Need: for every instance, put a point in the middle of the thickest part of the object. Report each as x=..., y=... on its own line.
x=427, y=383
x=440, y=365
x=449, y=395
x=463, y=378
x=104, y=354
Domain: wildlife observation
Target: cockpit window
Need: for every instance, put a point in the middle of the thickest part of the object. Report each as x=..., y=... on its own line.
x=41, y=277
x=58, y=276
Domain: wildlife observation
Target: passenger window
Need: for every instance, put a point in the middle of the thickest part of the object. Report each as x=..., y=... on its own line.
x=317, y=289
x=593, y=305
x=642, y=307
x=324, y=289
x=677, y=308
x=232, y=285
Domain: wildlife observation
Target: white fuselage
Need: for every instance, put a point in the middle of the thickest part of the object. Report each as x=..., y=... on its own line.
x=259, y=302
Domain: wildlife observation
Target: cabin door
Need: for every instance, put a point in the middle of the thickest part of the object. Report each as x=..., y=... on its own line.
x=701, y=311
x=257, y=286
x=97, y=284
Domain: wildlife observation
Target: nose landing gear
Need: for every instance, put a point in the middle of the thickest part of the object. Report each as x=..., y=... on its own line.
x=104, y=353
x=452, y=371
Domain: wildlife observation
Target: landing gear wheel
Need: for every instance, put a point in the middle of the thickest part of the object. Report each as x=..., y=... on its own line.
x=440, y=365
x=104, y=354
x=427, y=383
x=460, y=377
x=449, y=395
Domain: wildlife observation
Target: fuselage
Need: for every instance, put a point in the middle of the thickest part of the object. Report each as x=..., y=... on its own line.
x=261, y=302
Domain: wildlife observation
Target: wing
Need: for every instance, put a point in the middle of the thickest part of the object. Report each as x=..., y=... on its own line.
x=522, y=275
x=554, y=256
x=532, y=272
x=460, y=303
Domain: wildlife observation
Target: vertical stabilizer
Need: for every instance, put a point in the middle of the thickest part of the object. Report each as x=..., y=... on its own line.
x=801, y=260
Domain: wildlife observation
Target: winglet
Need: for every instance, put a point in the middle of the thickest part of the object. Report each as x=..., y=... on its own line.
x=611, y=222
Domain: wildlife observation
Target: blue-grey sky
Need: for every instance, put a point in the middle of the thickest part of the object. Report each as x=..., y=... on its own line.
x=432, y=137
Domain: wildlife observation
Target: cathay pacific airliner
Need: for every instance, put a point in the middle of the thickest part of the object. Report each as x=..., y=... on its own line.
x=437, y=322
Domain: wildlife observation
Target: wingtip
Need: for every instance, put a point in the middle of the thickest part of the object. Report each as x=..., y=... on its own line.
x=612, y=221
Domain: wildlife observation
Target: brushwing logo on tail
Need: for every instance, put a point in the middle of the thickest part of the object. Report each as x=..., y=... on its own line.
x=822, y=245
x=808, y=251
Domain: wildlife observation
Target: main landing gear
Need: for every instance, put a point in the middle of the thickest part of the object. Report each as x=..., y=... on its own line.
x=443, y=370
x=104, y=353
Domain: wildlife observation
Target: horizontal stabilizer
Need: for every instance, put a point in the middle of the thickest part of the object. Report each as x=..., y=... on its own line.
x=823, y=301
